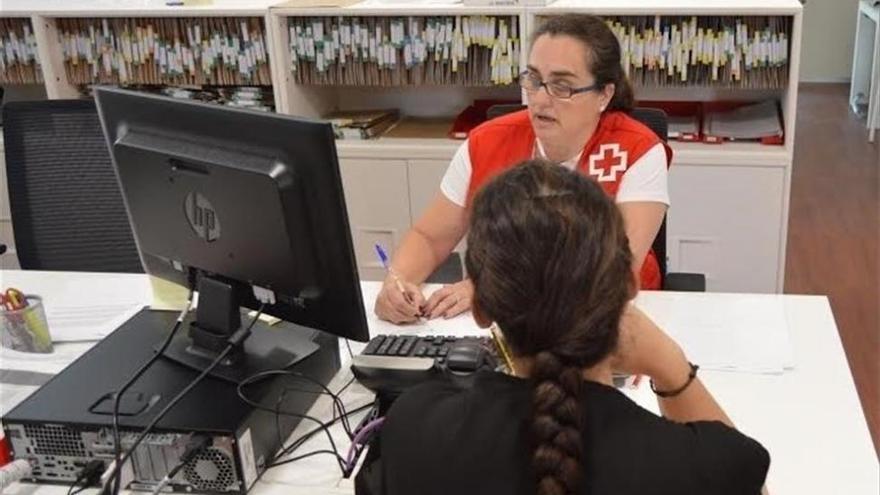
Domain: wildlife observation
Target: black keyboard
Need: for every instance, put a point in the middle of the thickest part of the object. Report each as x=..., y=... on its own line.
x=435, y=346
x=392, y=363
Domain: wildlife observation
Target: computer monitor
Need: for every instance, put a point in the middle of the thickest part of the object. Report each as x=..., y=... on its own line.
x=247, y=205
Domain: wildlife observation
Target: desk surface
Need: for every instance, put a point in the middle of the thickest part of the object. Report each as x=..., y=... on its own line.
x=809, y=418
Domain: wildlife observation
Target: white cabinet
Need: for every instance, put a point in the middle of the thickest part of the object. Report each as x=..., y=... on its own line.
x=728, y=222
x=377, y=198
x=424, y=184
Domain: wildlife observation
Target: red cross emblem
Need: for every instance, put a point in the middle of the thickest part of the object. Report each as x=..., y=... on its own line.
x=606, y=163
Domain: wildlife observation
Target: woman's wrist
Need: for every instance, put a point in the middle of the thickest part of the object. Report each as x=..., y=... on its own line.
x=670, y=367
x=669, y=391
x=672, y=375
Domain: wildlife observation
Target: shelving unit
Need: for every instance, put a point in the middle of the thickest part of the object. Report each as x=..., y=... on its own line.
x=52, y=20
x=729, y=215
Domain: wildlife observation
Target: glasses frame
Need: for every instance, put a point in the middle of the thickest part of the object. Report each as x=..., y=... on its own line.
x=524, y=79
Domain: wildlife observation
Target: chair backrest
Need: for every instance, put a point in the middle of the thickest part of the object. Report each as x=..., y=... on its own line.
x=657, y=121
x=67, y=209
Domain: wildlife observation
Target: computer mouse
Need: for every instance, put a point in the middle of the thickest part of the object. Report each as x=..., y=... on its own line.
x=465, y=356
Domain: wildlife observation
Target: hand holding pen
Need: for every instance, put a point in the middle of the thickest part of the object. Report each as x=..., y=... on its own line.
x=399, y=301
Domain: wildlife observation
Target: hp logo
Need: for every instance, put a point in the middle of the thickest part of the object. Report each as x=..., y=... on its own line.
x=201, y=216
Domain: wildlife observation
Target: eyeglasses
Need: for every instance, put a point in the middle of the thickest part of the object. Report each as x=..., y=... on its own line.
x=532, y=83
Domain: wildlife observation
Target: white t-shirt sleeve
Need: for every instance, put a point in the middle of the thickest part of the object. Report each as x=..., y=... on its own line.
x=646, y=179
x=457, y=179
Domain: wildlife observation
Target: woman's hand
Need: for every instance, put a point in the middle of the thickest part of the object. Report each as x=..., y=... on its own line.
x=396, y=305
x=451, y=300
x=644, y=349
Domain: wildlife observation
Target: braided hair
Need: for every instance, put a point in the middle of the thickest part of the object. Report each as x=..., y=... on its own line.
x=550, y=262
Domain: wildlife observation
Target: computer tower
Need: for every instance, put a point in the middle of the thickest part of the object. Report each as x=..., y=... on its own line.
x=67, y=422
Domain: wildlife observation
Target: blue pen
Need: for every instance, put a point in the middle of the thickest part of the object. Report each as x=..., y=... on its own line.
x=384, y=259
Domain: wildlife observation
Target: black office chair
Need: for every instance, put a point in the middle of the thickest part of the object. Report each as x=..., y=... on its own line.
x=657, y=121
x=449, y=272
x=67, y=209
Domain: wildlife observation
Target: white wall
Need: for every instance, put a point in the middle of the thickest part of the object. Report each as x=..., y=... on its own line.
x=829, y=31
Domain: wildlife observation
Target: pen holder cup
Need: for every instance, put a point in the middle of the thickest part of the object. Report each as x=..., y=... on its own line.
x=26, y=329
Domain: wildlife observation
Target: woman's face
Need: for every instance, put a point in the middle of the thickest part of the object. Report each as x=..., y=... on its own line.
x=562, y=61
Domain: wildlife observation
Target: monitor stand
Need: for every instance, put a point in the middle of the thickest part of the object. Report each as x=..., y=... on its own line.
x=218, y=317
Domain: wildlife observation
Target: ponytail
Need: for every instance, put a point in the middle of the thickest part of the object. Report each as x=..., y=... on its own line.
x=556, y=426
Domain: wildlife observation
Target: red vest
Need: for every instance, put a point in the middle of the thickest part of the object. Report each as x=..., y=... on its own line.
x=618, y=142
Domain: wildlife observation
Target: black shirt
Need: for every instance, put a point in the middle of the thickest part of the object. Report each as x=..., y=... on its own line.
x=440, y=438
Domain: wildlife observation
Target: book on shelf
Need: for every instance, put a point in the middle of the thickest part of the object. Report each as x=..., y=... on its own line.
x=362, y=124
x=684, y=127
x=302, y=4
x=754, y=122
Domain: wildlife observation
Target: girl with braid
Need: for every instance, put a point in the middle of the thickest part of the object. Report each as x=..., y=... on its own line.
x=551, y=267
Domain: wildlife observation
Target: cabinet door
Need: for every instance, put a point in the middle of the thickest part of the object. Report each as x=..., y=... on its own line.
x=424, y=184
x=377, y=198
x=727, y=223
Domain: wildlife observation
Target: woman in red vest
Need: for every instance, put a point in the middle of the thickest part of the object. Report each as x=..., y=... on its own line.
x=578, y=99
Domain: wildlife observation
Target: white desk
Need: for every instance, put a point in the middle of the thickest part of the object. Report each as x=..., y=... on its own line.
x=809, y=418
x=866, y=63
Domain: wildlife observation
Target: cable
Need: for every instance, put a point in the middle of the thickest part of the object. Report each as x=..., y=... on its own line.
x=348, y=384
x=195, y=446
x=256, y=405
x=337, y=403
x=117, y=443
x=88, y=475
x=338, y=407
x=310, y=454
x=235, y=340
x=307, y=436
x=354, y=451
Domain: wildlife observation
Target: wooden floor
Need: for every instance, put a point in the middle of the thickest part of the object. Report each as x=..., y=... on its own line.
x=834, y=227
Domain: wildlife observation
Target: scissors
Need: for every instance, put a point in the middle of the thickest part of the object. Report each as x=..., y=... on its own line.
x=13, y=299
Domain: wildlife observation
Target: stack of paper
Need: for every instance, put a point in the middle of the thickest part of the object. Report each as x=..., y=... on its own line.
x=683, y=126
x=725, y=332
x=751, y=122
x=362, y=124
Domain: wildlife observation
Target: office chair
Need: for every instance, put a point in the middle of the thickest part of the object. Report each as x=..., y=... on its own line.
x=657, y=121
x=67, y=210
x=449, y=272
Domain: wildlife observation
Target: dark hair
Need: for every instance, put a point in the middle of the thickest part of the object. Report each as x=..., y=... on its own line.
x=603, y=52
x=550, y=262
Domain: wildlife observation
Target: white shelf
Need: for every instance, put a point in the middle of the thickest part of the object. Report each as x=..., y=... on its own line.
x=676, y=7
x=416, y=148
x=731, y=154
x=133, y=8
x=378, y=8
x=700, y=154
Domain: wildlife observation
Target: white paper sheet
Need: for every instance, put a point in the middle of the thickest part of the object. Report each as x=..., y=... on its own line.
x=742, y=333
x=87, y=323
x=57, y=360
x=13, y=395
